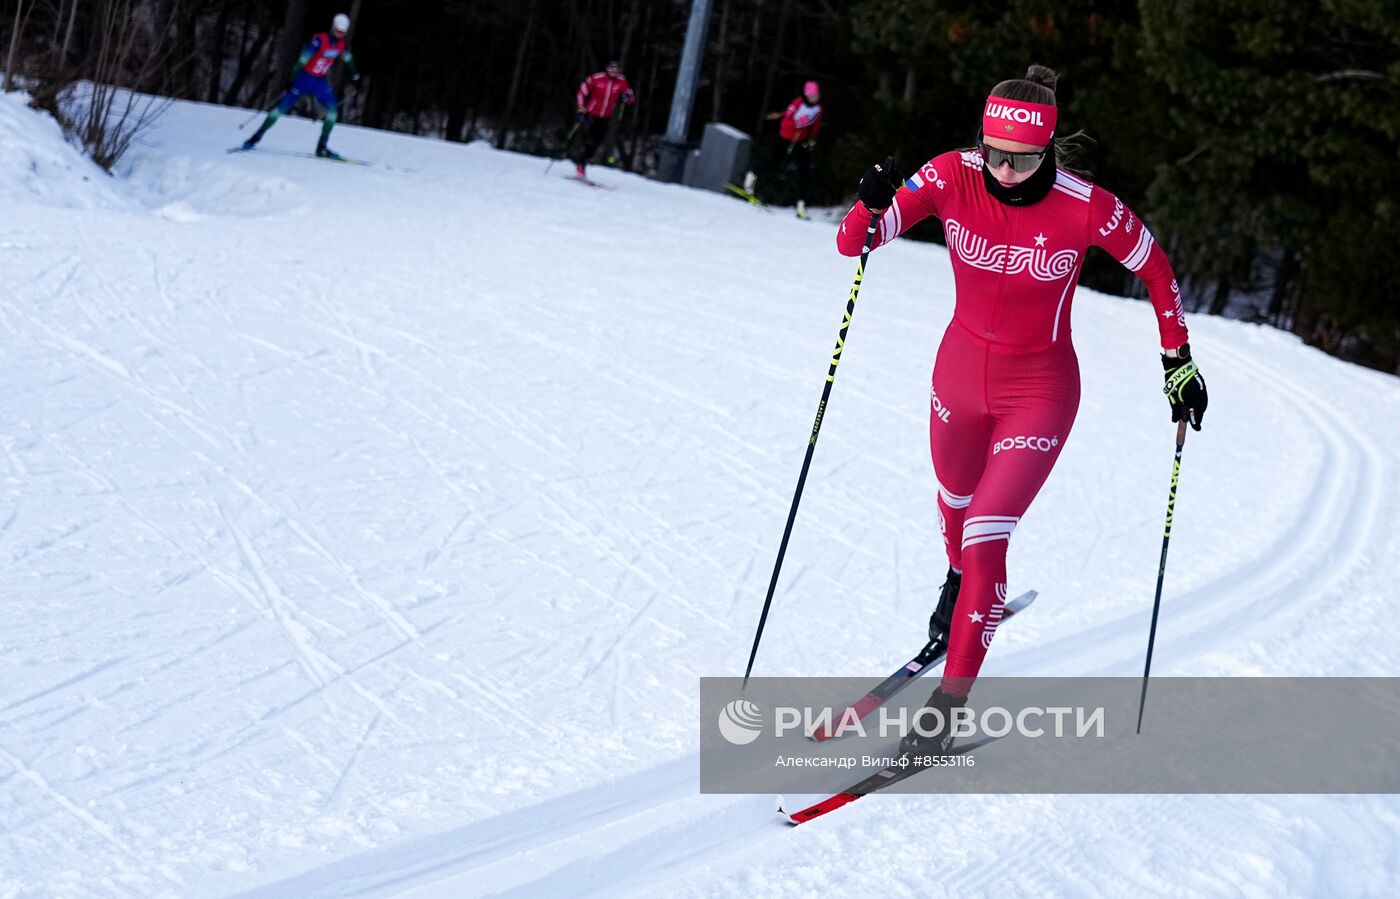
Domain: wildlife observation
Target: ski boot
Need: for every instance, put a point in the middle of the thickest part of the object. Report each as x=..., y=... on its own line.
x=579, y=171
x=325, y=152
x=941, y=724
x=750, y=182
x=256, y=136
x=941, y=621
x=802, y=210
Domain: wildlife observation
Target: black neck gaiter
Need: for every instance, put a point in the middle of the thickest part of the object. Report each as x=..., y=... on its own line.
x=1032, y=190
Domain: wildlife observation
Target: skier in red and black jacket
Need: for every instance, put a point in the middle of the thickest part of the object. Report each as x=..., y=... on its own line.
x=1005, y=385
x=597, y=98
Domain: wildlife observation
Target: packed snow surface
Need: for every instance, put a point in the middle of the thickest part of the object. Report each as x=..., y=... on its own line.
x=366, y=529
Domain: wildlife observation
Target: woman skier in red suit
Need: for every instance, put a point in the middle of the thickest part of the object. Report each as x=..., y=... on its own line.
x=1006, y=381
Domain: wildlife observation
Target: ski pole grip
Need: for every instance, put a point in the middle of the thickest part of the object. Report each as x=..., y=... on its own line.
x=870, y=230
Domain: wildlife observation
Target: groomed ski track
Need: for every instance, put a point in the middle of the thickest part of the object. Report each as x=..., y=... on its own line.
x=367, y=533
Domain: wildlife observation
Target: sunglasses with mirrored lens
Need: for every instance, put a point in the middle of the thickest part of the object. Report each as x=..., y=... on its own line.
x=1020, y=162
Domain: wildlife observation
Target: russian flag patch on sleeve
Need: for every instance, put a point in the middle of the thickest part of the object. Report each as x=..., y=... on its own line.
x=915, y=182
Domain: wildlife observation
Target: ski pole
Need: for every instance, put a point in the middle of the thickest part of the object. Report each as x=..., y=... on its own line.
x=250, y=120
x=1162, y=568
x=567, y=140
x=816, y=429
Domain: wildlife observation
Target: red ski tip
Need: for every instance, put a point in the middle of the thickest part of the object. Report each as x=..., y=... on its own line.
x=821, y=808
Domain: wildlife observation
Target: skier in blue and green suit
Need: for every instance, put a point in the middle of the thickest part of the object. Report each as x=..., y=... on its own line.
x=310, y=79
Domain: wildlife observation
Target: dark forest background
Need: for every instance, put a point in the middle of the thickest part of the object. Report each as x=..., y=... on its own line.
x=1260, y=139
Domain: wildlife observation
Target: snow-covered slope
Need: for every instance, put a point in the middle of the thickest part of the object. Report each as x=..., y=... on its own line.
x=367, y=529
x=37, y=167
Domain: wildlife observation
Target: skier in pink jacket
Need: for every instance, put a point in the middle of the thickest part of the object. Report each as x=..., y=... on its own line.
x=798, y=127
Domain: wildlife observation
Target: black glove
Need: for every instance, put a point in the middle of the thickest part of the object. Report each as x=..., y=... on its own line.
x=1186, y=389
x=879, y=184
x=582, y=117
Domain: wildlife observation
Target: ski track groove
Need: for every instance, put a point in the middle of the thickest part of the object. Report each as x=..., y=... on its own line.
x=7, y=443
x=738, y=465
x=66, y=683
x=583, y=533
x=435, y=553
x=208, y=752
x=1334, y=543
x=208, y=566
x=333, y=797
x=113, y=368
x=645, y=850
x=139, y=326
x=1321, y=548
x=314, y=752
x=530, y=730
x=315, y=663
x=318, y=667
x=376, y=603
x=91, y=822
x=620, y=635
x=504, y=836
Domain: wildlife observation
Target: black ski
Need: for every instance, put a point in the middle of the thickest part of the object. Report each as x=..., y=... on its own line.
x=335, y=158
x=582, y=179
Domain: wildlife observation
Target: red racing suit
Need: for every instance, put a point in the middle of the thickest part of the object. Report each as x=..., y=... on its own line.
x=599, y=94
x=1005, y=385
